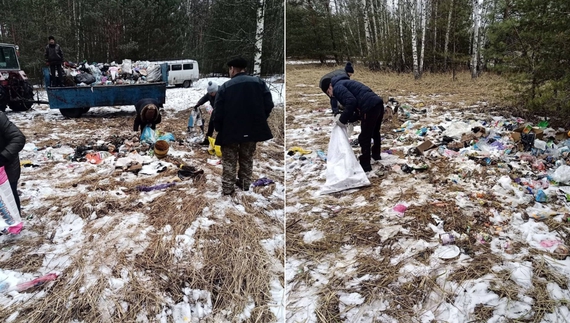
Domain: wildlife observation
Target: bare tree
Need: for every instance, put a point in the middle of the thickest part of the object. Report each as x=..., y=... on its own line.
x=475, y=48
x=413, y=6
x=259, y=38
x=447, y=32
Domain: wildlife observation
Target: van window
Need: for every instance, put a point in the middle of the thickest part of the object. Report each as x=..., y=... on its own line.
x=176, y=67
x=188, y=66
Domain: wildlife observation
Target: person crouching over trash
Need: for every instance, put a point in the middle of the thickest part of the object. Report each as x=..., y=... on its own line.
x=359, y=99
x=210, y=96
x=148, y=113
x=347, y=71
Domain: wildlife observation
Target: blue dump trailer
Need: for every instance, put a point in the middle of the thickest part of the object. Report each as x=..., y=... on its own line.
x=73, y=101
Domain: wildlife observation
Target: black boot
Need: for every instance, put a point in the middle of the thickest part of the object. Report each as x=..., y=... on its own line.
x=365, y=164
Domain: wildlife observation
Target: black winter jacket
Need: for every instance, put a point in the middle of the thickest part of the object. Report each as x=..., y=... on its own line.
x=205, y=99
x=139, y=122
x=242, y=107
x=355, y=97
x=12, y=141
x=54, y=54
x=330, y=75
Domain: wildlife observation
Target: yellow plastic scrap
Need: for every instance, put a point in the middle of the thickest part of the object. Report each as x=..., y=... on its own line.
x=300, y=150
x=214, y=149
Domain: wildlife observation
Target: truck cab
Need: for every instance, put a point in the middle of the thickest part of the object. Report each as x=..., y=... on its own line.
x=15, y=89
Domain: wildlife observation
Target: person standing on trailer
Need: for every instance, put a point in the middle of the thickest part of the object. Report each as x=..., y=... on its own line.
x=54, y=58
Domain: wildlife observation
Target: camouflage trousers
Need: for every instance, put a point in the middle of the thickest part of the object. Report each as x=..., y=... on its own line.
x=232, y=155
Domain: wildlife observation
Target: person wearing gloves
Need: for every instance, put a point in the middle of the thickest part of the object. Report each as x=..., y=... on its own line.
x=54, y=58
x=210, y=96
x=243, y=105
x=12, y=141
x=148, y=113
x=347, y=71
x=359, y=99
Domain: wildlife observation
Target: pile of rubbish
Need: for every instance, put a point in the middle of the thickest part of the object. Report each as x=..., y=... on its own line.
x=85, y=74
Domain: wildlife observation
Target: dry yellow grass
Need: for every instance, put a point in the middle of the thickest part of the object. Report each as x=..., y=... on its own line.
x=430, y=89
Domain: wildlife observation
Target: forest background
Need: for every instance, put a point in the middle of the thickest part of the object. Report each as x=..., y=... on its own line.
x=209, y=31
x=527, y=41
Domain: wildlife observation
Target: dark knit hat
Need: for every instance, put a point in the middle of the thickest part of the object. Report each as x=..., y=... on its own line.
x=51, y=37
x=325, y=84
x=348, y=68
x=238, y=62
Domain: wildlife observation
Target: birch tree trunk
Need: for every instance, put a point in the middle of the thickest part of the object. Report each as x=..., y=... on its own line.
x=434, y=12
x=415, y=39
x=475, y=50
x=259, y=38
x=482, y=35
x=400, y=18
x=367, y=32
x=422, y=51
x=447, y=32
x=376, y=35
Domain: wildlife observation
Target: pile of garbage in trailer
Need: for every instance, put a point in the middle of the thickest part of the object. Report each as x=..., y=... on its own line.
x=85, y=74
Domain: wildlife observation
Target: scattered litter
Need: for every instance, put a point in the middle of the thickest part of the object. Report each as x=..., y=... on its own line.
x=400, y=208
x=293, y=150
x=447, y=252
x=262, y=182
x=214, y=162
x=144, y=188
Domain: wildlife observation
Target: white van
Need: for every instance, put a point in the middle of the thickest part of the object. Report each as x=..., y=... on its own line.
x=182, y=72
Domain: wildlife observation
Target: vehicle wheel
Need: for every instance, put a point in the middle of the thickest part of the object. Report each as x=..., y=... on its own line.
x=187, y=84
x=72, y=113
x=20, y=106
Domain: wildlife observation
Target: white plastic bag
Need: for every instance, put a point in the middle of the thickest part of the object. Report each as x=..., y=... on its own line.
x=10, y=216
x=153, y=73
x=127, y=66
x=561, y=174
x=343, y=169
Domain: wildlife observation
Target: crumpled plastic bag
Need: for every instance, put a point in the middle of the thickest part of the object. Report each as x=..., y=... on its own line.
x=214, y=149
x=85, y=78
x=166, y=137
x=561, y=174
x=148, y=135
x=343, y=169
x=127, y=66
x=153, y=73
x=10, y=220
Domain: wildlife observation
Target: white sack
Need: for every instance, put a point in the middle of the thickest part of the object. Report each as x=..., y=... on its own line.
x=127, y=66
x=153, y=73
x=343, y=169
x=10, y=216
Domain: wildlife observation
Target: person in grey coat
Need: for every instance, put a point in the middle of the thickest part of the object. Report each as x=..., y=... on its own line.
x=12, y=141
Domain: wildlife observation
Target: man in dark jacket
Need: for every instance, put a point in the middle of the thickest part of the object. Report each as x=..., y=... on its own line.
x=210, y=95
x=347, y=71
x=148, y=113
x=54, y=57
x=242, y=107
x=12, y=141
x=358, y=98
